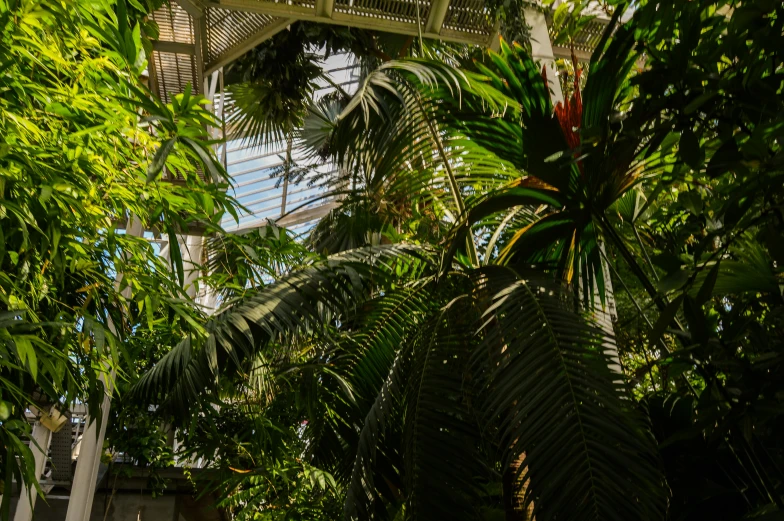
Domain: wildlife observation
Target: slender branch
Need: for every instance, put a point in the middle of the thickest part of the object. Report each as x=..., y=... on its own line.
x=644, y=251
x=453, y=186
x=628, y=256
x=662, y=343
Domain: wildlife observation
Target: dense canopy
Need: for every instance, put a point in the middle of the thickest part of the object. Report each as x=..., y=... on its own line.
x=517, y=307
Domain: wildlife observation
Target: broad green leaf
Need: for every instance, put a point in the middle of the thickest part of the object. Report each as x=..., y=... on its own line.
x=156, y=165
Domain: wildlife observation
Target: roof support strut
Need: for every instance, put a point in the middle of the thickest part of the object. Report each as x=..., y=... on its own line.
x=435, y=20
x=324, y=8
x=235, y=52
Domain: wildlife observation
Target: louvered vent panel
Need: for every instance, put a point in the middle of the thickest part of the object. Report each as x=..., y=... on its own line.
x=588, y=38
x=394, y=10
x=174, y=71
x=174, y=24
x=60, y=451
x=468, y=16
x=227, y=29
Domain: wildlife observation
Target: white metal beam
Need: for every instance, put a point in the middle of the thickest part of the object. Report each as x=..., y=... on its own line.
x=80, y=504
x=435, y=20
x=191, y=247
x=235, y=52
x=293, y=219
x=566, y=54
x=202, y=49
x=542, y=50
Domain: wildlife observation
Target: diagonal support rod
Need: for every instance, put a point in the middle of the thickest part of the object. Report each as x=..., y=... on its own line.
x=235, y=52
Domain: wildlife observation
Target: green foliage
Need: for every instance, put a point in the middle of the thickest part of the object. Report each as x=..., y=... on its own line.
x=568, y=20
x=430, y=387
x=237, y=263
x=708, y=228
x=400, y=366
x=270, y=87
x=136, y=438
x=78, y=163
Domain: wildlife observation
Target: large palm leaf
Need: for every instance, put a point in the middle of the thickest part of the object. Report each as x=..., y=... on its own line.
x=531, y=378
x=444, y=465
x=305, y=300
x=391, y=149
x=445, y=383
x=551, y=394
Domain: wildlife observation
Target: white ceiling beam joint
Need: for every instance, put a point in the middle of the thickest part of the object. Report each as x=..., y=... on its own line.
x=435, y=20
x=235, y=52
x=566, y=54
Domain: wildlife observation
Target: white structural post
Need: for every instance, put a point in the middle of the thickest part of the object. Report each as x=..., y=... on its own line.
x=542, y=49
x=41, y=437
x=80, y=503
x=191, y=247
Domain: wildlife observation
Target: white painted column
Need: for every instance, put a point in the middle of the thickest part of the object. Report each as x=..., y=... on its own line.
x=41, y=437
x=80, y=503
x=191, y=247
x=542, y=50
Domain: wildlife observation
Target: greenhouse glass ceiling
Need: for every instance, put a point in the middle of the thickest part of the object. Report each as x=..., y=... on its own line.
x=198, y=37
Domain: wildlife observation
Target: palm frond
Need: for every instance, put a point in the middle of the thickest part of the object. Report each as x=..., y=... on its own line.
x=444, y=471
x=362, y=491
x=749, y=270
x=305, y=300
x=352, y=225
x=555, y=402
x=316, y=137
x=378, y=361
x=260, y=114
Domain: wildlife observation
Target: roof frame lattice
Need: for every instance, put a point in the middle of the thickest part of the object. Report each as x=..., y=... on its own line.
x=199, y=37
